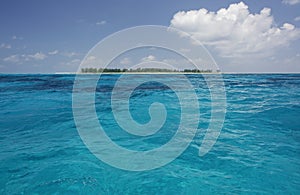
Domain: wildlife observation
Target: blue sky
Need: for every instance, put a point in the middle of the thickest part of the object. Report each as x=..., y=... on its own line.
x=53, y=36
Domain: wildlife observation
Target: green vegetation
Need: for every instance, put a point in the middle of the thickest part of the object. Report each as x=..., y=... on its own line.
x=117, y=70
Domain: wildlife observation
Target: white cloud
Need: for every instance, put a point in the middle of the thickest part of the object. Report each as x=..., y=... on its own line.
x=16, y=38
x=37, y=56
x=185, y=50
x=297, y=19
x=148, y=58
x=54, y=52
x=12, y=58
x=5, y=46
x=101, y=22
x=125, y=61
x=235, y=31
x=70, y=54
x=91, y=61
x=291, y=2
x=74, y=62
x=182, y=63
x=91, y=58
x=16, y=58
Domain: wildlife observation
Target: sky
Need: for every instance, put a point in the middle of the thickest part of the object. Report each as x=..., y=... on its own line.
x=243, y=36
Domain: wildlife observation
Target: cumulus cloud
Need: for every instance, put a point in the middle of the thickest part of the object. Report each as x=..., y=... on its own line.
x=101, y=22
x=16, y=38
x=91, y=58
x=148, y=58
x=291, y=2
x=91, y=61
x=73, y=62
x=125, y=61
x=5, y=46
x=12, y=58
x=37, y=56
x=16, y=58
x=54, y=52
x=70, y=54
x=297, y=19
x=234, y=31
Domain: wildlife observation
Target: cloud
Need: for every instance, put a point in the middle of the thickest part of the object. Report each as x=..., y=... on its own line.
x=54, y=52
x=101, y=22
x=74, y=62
x=37, y=56
x=5, y=46
x=148, y=58
x=70, y=54
x=12, y=58
x=291, y=2
x=297, y=19
x=125, y=61
x=16, y=38
x=16, y=58
x=235, y=31
x=91, y=58
x=91, y=61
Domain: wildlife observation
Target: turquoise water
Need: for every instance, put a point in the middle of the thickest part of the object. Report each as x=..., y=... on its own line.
x=256, y=152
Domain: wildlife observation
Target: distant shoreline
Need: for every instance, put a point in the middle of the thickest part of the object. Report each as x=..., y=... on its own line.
x=177, y=73
x=174, y=73
x=142, y=73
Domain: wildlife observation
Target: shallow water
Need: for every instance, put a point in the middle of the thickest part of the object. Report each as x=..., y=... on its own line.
x=256, y=152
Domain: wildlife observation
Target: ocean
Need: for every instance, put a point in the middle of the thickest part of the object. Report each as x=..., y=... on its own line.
x=257, y=151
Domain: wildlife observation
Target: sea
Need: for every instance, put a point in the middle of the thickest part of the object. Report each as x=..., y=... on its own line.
x=257, y=150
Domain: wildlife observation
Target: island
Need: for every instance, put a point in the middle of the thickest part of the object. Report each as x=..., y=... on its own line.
x=144, y=70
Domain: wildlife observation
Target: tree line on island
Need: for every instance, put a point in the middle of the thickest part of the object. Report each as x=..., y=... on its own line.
x=118, y=70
